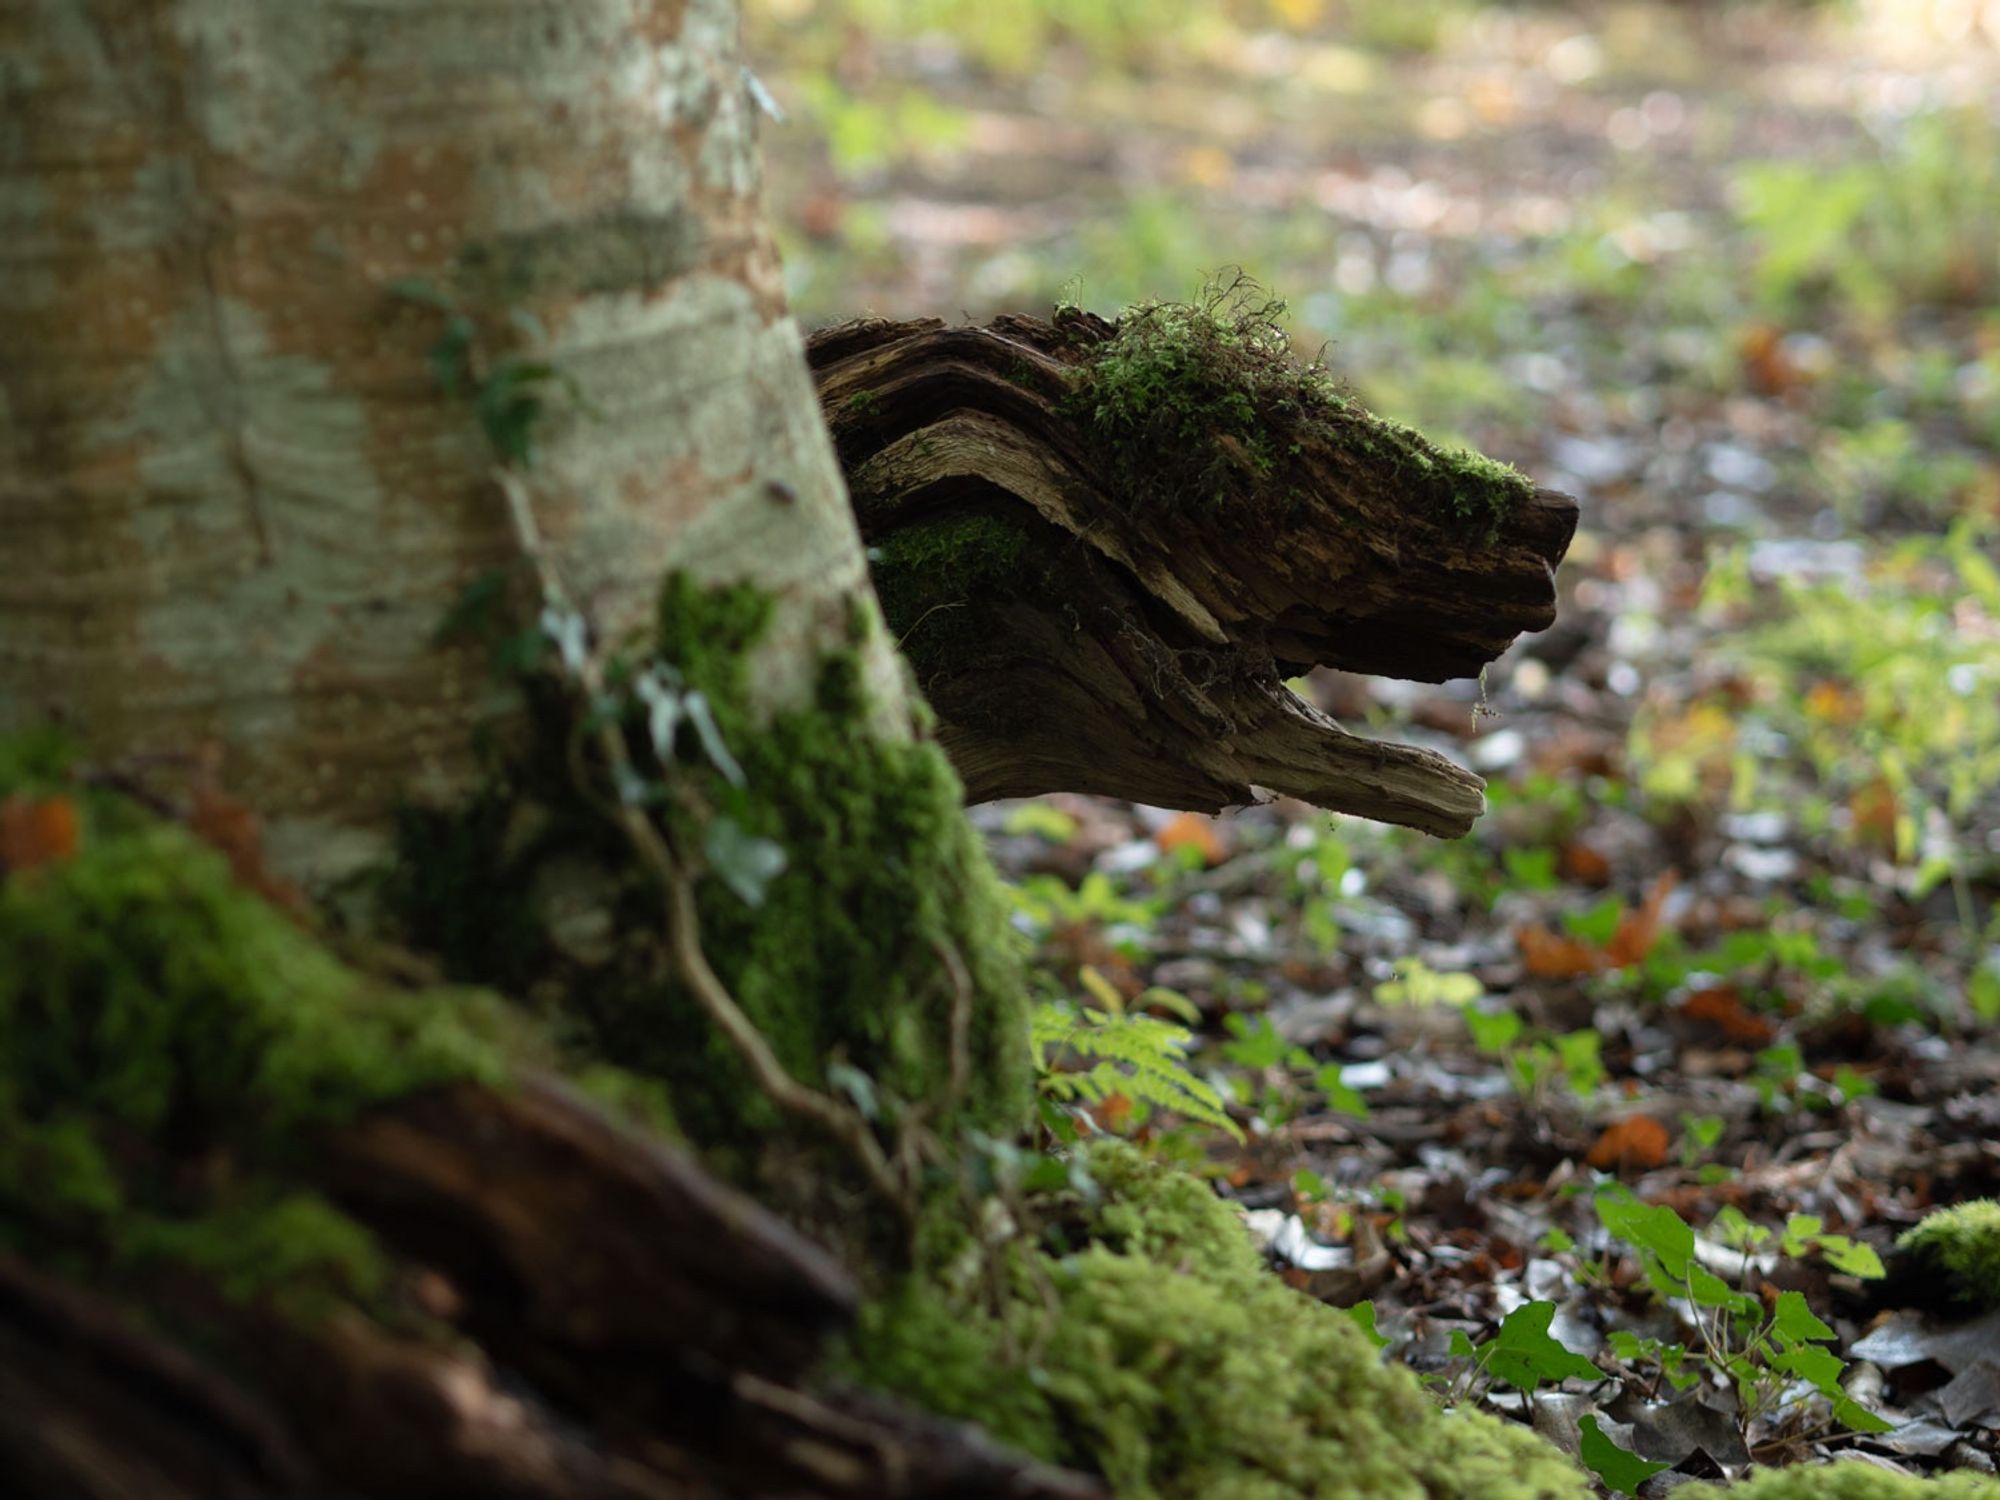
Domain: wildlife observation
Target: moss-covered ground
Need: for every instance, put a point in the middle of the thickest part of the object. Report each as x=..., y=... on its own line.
x=1960, y=1245
x=1153, y=1345
x=169, y=1045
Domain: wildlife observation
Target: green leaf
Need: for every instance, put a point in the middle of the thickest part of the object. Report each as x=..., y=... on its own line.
x=1983, y=992
x=1622, y=1471
x=476, y=609
x=746, y=864
x=1341, y=1097
x=1039, y=820
x=1416, y=983
x=1658, y=1231
x=1851, y=1256
x=1363, y=1314
x=1598, y=925
x=1492, y=1030
x=1793, y=1319
x=1852, y=1415
x=1256, y=1043
x=1524, y=1354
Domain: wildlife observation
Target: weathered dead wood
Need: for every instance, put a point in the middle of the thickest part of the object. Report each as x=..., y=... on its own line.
x=1148, y=659
x=607, y=1323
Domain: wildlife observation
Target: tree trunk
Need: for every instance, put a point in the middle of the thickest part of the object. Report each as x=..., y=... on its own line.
x=245, y=237
x=237, y=504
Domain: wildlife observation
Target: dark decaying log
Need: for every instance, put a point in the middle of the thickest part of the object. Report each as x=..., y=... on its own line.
x=619, y=1327
x=1150, y=659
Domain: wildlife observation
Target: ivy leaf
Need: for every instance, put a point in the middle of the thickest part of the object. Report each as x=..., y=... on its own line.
x=746, y=864
x=1363, y=1314
x=1795, y=1321
x=1524, y=1353
x=1621, y=1470
x=1660, y=1231
x=1852, y=1257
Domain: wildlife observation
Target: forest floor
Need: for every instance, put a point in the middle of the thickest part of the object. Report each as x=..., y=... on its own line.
x=1728, y=934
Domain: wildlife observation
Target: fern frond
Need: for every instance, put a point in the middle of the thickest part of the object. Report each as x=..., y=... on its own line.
x=1085, y=1055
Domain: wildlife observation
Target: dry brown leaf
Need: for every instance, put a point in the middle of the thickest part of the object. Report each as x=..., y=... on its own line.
x=1722, y=1008
x=38, y=831
x=1639, y=930
x=1637, y=1144
x=1190, y=830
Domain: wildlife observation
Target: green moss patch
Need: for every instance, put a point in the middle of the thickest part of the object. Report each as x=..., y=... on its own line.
x=1960, y=1245
x=1203, y=408
x=940, y=580
x=169, y=1044
x=1166, y=1356
x=841, y=962
x=1846, y=1481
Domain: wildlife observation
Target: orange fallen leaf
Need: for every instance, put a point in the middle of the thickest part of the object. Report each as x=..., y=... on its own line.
x=1766, y=366
x=1112, y=1111
x=1192, y=831
x=1722, y=1008
x=1833, y=702
x=1550, y=955
x=38, y=831
x=1583, y=864
x=1874, y=809
x=1639, y=930
x=1636, y=1144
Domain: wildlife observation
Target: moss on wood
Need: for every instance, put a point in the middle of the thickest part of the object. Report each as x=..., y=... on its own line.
x=1202, y=407
x=852, y=955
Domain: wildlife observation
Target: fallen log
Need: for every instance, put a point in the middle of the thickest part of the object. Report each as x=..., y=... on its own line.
x=1106, y=547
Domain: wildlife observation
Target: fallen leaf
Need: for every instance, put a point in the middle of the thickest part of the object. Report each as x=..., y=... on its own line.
x=1550, y=955
x=1637, y=1144
x=1190, y=830
x=38, y=831
x=1584, y=865
x=1722, y=1008
x=1639, y=930
x=1874, y=810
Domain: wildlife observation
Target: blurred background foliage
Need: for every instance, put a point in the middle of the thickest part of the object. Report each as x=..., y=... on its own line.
x=1729, y=272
